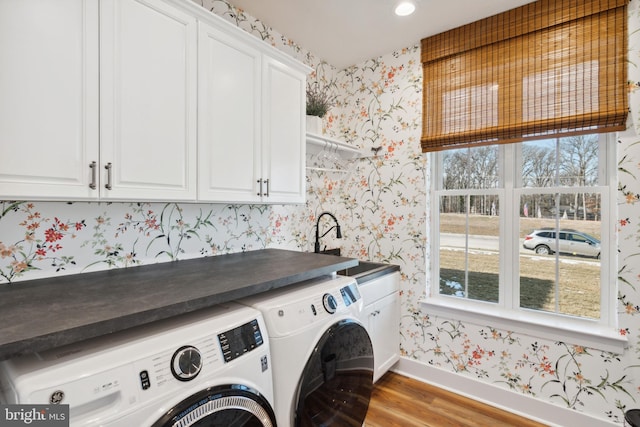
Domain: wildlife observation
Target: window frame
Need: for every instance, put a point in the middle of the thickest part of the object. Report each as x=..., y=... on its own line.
x=600, y=333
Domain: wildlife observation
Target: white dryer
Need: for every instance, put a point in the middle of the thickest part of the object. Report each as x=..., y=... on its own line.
x=321, y=353
x=207, y=368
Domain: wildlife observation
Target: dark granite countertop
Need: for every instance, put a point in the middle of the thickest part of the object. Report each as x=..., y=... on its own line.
x=41, y=314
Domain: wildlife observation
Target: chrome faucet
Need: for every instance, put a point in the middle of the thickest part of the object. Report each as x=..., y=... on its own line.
x=318, y=236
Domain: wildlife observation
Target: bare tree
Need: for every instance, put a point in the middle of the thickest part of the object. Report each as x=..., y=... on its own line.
x=483, y=170
x=455, y=164
x=538, y=170
x=573, y=161
x=469, y=169
x=538, y=165
x=579, y=166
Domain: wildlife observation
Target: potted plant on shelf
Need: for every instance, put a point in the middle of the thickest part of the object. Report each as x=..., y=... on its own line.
x=319, y=100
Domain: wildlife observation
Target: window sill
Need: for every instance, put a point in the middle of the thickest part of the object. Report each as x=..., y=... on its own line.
x=566, y=329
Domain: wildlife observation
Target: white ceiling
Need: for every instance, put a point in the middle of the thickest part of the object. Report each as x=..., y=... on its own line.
x=347, y=32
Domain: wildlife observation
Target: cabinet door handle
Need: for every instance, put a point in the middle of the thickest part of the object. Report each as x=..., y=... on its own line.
x=260, y=190
x=93, y=166
x=109, y=168
x=266, y=181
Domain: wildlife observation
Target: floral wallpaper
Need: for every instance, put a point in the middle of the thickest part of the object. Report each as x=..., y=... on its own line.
x=382, y=204
x=41, y=239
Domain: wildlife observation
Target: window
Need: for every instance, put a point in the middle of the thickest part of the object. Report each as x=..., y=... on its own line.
x=522, y=231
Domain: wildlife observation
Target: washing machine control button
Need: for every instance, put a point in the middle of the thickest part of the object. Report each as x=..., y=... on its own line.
x=186, y=363
x=144, y=380
x=330, y=303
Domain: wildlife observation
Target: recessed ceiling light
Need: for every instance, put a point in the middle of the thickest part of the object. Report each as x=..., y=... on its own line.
x=405, y=8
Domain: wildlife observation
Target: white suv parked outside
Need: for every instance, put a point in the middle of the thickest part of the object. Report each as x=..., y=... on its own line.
x=571, y=242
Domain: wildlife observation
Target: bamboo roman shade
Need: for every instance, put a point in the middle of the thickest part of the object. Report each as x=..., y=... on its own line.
x=552, y=67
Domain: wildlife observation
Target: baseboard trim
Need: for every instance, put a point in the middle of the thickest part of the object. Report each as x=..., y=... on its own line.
x=525, y=406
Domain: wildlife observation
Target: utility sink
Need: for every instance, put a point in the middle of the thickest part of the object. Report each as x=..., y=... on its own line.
x=365, y=267
x=335, y=251
x=365, y=270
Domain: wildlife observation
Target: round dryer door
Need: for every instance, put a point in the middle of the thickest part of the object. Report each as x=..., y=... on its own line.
x=221, y=406
x=336, y=384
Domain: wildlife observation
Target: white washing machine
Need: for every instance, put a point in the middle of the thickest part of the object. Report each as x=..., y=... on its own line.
x=322, y=356
x=208, y=368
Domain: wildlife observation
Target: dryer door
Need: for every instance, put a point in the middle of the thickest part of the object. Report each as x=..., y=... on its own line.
x=221, y=406
x=336, y=384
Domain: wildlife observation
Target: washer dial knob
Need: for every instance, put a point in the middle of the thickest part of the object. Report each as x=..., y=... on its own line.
x=186, y=363
x=329, y=302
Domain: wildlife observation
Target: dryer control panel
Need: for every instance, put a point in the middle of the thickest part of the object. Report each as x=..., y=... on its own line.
x=350, y=294
x=310, y=302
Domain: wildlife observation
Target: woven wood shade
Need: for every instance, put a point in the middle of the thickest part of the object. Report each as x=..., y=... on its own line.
x=552, y=67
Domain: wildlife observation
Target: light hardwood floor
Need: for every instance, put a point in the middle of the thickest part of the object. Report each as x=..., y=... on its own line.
x=398, y=401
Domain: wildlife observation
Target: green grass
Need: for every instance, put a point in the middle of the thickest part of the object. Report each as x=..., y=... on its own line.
x=578, y=290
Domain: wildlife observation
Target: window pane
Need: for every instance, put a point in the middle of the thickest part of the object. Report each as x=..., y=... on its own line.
x=539, y=163
x=469, y=247
x=579, y=161
x=453, y=263
x=470, y=168
x=484, y=248
x=569, y=162
x=560, y=253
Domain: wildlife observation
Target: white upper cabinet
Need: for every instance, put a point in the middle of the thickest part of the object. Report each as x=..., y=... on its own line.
x=251, y=122
x=284, y=133
x=145, y=100
x=98, y=100
x=148, y=100
x=48, y=98
x=229, y=147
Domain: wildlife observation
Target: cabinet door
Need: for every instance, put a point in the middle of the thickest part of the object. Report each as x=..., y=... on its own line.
x=228, y=118
x=48, y=98
x=388, y=333
x=384, y=328
x=284, y=133
x=148, y=89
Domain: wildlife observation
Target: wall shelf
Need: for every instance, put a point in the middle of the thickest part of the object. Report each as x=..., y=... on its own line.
x=317, y=143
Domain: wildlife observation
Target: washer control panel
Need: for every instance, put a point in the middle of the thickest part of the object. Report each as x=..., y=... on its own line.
x=238, y=341
x=183, y=363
